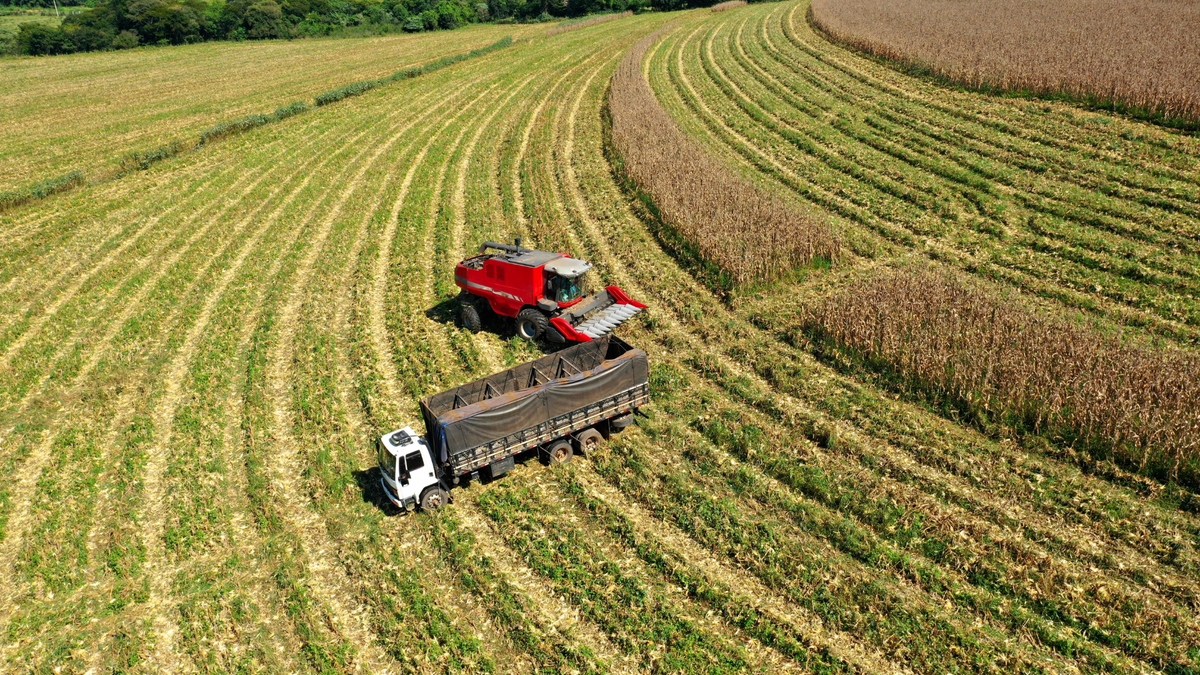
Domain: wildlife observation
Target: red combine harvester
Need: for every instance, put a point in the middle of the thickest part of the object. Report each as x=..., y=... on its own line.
x=542, y=291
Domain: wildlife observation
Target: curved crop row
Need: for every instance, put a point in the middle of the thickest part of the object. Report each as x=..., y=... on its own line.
x=1058, y=204
x=750, y=236
x=729, y=4
x=923, y=462
x=238, y=360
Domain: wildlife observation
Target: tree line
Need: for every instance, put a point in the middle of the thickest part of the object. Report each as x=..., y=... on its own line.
x=122, y=24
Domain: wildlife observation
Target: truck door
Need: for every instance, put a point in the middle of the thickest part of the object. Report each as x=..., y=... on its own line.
x=416, y=469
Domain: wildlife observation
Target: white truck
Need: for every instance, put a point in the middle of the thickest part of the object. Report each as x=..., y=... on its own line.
x=562, y=403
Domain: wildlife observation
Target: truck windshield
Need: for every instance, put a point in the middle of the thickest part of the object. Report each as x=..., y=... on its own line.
x=567, y=290
x=387, y=462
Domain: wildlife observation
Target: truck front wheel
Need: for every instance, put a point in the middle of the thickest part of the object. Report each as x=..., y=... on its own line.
x=434, y=498
x=531, y=324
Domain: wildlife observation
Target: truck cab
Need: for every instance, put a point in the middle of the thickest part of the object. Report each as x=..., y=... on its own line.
x=410, y=475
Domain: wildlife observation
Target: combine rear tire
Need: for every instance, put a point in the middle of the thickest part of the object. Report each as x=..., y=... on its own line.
x=588, y=441
x=560, y=452
x=469, y=318
x=531, y=324
x=434, y=498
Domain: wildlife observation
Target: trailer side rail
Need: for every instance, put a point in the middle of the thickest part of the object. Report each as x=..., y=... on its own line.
x=480, y=456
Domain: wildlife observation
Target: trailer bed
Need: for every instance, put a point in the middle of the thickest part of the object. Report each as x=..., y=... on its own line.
x=524, y=407
x=534, y=436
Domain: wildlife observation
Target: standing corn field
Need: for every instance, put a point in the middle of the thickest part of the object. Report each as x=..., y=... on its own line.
x=1139, y=56
x=993, y=356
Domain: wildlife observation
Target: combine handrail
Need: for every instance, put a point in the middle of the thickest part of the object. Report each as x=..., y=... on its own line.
x=511, y=248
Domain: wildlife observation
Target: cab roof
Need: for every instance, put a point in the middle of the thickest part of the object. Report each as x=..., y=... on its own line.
x=530, y=258
x=568, y=267
x=402, y=441
x=555, y=263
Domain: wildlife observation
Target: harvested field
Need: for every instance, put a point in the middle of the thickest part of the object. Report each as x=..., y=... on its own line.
x=1139, y=55
x=204, y=353
x=85, y=111
x=584, y=23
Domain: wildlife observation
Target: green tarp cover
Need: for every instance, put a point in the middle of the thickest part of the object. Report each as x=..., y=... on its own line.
x=526, y=395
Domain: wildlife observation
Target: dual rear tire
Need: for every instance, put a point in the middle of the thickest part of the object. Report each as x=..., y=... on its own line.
x=560, y=452
x=585, y=442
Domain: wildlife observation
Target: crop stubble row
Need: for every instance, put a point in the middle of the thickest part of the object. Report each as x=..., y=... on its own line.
x=159, y=100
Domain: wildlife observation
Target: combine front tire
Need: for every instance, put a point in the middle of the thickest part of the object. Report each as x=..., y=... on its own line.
x=531, y=324
x=470, y=318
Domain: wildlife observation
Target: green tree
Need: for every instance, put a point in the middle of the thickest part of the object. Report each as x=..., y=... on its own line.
x=263, y=19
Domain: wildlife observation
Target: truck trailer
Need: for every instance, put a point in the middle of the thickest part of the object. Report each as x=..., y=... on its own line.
x=554, y=406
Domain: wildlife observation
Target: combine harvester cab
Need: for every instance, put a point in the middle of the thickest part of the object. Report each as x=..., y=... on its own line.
x=541, y=291
x=554, y=406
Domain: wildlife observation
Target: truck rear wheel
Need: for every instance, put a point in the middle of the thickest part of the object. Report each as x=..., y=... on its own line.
x=619, y=422
x=434, y=498
x=589, y=440
x=560, y=452
x=531, y=324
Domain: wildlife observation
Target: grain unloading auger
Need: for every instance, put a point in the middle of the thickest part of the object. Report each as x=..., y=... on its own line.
x=541, y=291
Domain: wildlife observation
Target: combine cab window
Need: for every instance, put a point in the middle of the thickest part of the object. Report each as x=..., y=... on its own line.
x=565, y=290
